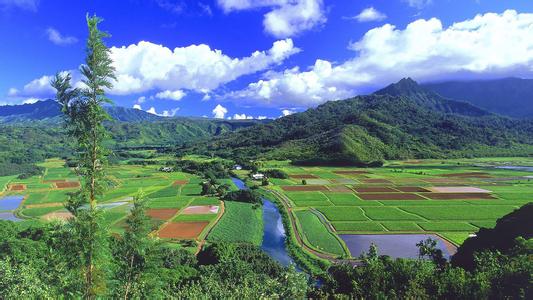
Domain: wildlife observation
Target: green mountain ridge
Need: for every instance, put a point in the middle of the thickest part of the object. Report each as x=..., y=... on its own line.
x=365, y=130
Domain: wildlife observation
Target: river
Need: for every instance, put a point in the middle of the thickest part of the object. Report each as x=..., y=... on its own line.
x=273, y=230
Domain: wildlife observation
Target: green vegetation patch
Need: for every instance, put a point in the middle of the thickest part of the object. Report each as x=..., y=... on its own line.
x=343, y=213
x=205, y=201
x=307, y=196
x=447, y=226
x=358, y=226
x=389, y=213
x=169, y=202
x=484, y=224
x=467, y=213
x=165, y=192
x=401, y=226
x=241, y=222
x=317, y=234
x=343, y=199
x=455, y=237
x=305, y=203
x=39, y=211
x=185, y=218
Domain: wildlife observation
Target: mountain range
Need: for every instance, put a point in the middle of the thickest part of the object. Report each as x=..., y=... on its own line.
x=403, y=120
x=508, y=96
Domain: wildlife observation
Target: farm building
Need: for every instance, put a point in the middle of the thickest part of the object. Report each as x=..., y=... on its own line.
x=258, y=176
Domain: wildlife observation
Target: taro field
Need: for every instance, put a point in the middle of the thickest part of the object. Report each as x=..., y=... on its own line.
x=451, y=199
x=174, y=205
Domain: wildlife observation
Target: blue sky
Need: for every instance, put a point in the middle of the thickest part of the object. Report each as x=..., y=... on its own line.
x=261, y=58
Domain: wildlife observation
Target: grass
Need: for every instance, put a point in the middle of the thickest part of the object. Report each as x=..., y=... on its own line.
x=466, y=213
x=195, y=218
x=205, y=201
x=388, y=214
x=240, y=223
x=400, y=226
x=39, y=211
x=343, y=199
x=338, y=213
x=447, y=226
x=317, y=234
x=358, y=226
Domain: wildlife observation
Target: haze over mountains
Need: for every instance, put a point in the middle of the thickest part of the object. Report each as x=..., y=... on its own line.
x=508, y=96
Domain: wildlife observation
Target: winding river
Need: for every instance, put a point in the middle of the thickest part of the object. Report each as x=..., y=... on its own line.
x=273, y=230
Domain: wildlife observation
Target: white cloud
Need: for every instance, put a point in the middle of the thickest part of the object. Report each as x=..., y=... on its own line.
x=57, y=38
x=219, y=112
x=418, y=3
x=262, y=117
x=287, y=112
x=489, y=45
x=286, y=17
x=165, y=113
x=30, y=100
x=241, y=117
x=146, y=66
x=370, y=14
x=137, y=106
x=30, y=5
x=172, y=95
x=141, y=99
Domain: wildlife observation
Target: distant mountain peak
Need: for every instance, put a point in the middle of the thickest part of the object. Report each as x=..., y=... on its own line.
x=411, y=90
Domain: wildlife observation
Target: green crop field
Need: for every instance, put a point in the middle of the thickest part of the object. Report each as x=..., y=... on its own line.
x=316, y=234
x=240, y=223
x=453, y=215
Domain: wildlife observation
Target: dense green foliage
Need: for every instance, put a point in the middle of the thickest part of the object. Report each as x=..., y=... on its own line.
x=502, y=238
x=369, y=129
x=246, y=196
x=275, y=173
x=495, y=276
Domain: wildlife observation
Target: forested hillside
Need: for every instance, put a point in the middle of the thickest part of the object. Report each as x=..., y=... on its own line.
x=365, y=130
x=32, y=132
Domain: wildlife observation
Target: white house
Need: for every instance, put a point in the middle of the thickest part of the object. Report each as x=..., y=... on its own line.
x=258, y=176
x=237, y=167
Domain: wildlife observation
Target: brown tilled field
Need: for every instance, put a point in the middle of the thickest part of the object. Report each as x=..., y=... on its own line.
x=339, y=189
x=17, y=187
x=390, y=196
x=376, y=180
x=303, y=176
x=200, y=210
x=182, y=230
x=67, y=184
x=181, y=182
x=411, y=189
x=304, y=188
x=377, y=189
x=458, y=196
x=161, y=213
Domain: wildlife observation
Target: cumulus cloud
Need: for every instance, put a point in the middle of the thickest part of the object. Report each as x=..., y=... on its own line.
x=30, y=100
x=219, y=112
x=487, y=45
x=241, y=117
x=286, y=17
x=57, y=38
x=146, y=66
x=287, y=112
x=165, y=113
x=172, y=95
x=30, y=5
x=137, y=106
x=370, y=14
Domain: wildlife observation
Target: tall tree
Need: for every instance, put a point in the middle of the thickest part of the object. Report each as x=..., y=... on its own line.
x=84, y=117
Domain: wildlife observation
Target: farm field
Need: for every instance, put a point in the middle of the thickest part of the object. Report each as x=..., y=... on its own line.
x=450, y=198
x=174, y=204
